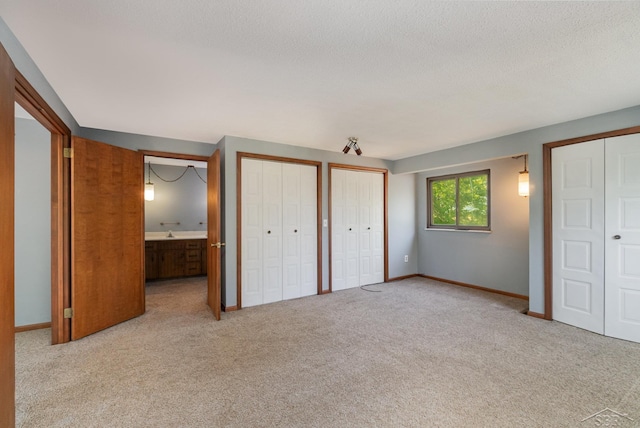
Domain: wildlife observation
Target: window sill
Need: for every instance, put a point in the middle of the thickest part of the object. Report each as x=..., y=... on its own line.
x=433, y=229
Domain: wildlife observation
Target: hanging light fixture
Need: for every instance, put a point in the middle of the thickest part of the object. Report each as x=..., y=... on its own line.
x=149, y=193
x=353, y=143
x=523, y=179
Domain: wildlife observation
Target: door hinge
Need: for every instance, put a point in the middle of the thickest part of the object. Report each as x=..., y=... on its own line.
x=68, y=152
x=68, y=313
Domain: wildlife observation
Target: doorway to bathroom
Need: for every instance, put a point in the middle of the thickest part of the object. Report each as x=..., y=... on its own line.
x=176, y=225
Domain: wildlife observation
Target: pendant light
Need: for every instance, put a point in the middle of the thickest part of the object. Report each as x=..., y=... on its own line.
x=149, y=193
x=523, y=180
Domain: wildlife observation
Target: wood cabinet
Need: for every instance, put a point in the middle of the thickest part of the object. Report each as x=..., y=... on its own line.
x=175, y=258
x=150, y=260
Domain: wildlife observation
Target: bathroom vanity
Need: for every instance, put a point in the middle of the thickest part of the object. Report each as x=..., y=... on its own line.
x=184, y=254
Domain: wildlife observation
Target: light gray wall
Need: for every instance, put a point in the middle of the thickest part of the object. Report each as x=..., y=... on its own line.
x=497, y=260
x=32, y=223
x=403, y=239
x=183, y=201
x=232, y=145
x=31, y=72
x=525, y=142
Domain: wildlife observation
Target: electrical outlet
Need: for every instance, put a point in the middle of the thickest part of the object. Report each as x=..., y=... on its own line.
x=406, y=259
x=325, y=223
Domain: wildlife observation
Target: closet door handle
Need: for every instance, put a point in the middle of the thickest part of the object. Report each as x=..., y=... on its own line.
x=295, y=231
x=617, y=236
x=349, y=229
x=368, y=228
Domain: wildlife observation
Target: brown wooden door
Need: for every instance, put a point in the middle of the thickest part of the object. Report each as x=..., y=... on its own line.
x=213, y=234
x=7, y=297
x=107, y=236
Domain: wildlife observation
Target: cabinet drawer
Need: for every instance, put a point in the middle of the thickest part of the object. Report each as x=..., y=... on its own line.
x=192, y=245
x=193, y=268
x=194, y=255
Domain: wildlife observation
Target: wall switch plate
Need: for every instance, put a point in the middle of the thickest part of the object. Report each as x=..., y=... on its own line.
x=325, y=223
x=406, y=259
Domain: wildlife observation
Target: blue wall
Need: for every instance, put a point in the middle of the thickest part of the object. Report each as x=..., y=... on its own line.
x=32, y=223
x=183, y=201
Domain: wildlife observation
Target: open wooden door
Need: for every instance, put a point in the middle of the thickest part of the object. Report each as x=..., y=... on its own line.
x=7, y=296
x=213, y=234
x=107, y=256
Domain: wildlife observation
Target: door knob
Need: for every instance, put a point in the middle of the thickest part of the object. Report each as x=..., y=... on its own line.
x=616, y=237
x=295, y=231
x=218, y=244
x=268, y=231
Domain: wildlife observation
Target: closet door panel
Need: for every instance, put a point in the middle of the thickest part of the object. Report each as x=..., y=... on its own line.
x=308, y=230
x=291, y=230
x=357, y=228
x=351, y=202
x=338, y=231
x=272, y=231
x=252, y=241
x=578, y=231
x=622, y=238
x=377, y=228
x=371, y=228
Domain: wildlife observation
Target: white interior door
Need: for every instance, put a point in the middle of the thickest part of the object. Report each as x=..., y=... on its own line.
x=252, y=233
x=357, y=228
x=279, y=231
x=291, y=235
x=338, y=231
x=622, y=238
x=365, y=205
x=272, y=231
x=371, y=228
x=308, y=230
x=578, y=235
x=377, y=228
x=351, y=207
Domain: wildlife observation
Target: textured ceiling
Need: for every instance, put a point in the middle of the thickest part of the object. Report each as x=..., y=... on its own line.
x=406, y=77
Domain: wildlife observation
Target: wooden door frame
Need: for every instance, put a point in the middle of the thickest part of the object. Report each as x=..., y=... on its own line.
x=318, y=165
x=29, y=99
x=385, y=174
x=169, y=155
x=548, y=206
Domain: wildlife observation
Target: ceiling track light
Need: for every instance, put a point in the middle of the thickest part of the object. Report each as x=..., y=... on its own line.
x=352, y=144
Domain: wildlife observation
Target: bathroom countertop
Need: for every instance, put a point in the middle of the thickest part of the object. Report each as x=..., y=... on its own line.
x=178, y=234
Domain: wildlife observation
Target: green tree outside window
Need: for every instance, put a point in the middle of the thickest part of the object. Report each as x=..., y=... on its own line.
x=459, y=201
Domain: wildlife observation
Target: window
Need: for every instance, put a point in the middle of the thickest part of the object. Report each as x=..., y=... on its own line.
x=459, y=201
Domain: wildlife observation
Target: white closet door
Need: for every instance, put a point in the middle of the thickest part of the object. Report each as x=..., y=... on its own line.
x=622, y=238
x=272, y=231
x=291, y=246
x=308, y=230
x=371, y=196
x=377, y=228
x=365, y=205
x=351, y=211
x=357, y=228
x=578, y=230
x=338, y=231
x=252, y=233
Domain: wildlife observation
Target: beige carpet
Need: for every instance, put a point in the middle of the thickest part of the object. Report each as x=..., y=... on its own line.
x=417, y=354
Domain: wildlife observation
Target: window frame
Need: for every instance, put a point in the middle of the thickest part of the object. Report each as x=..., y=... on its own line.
x=457, y=177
